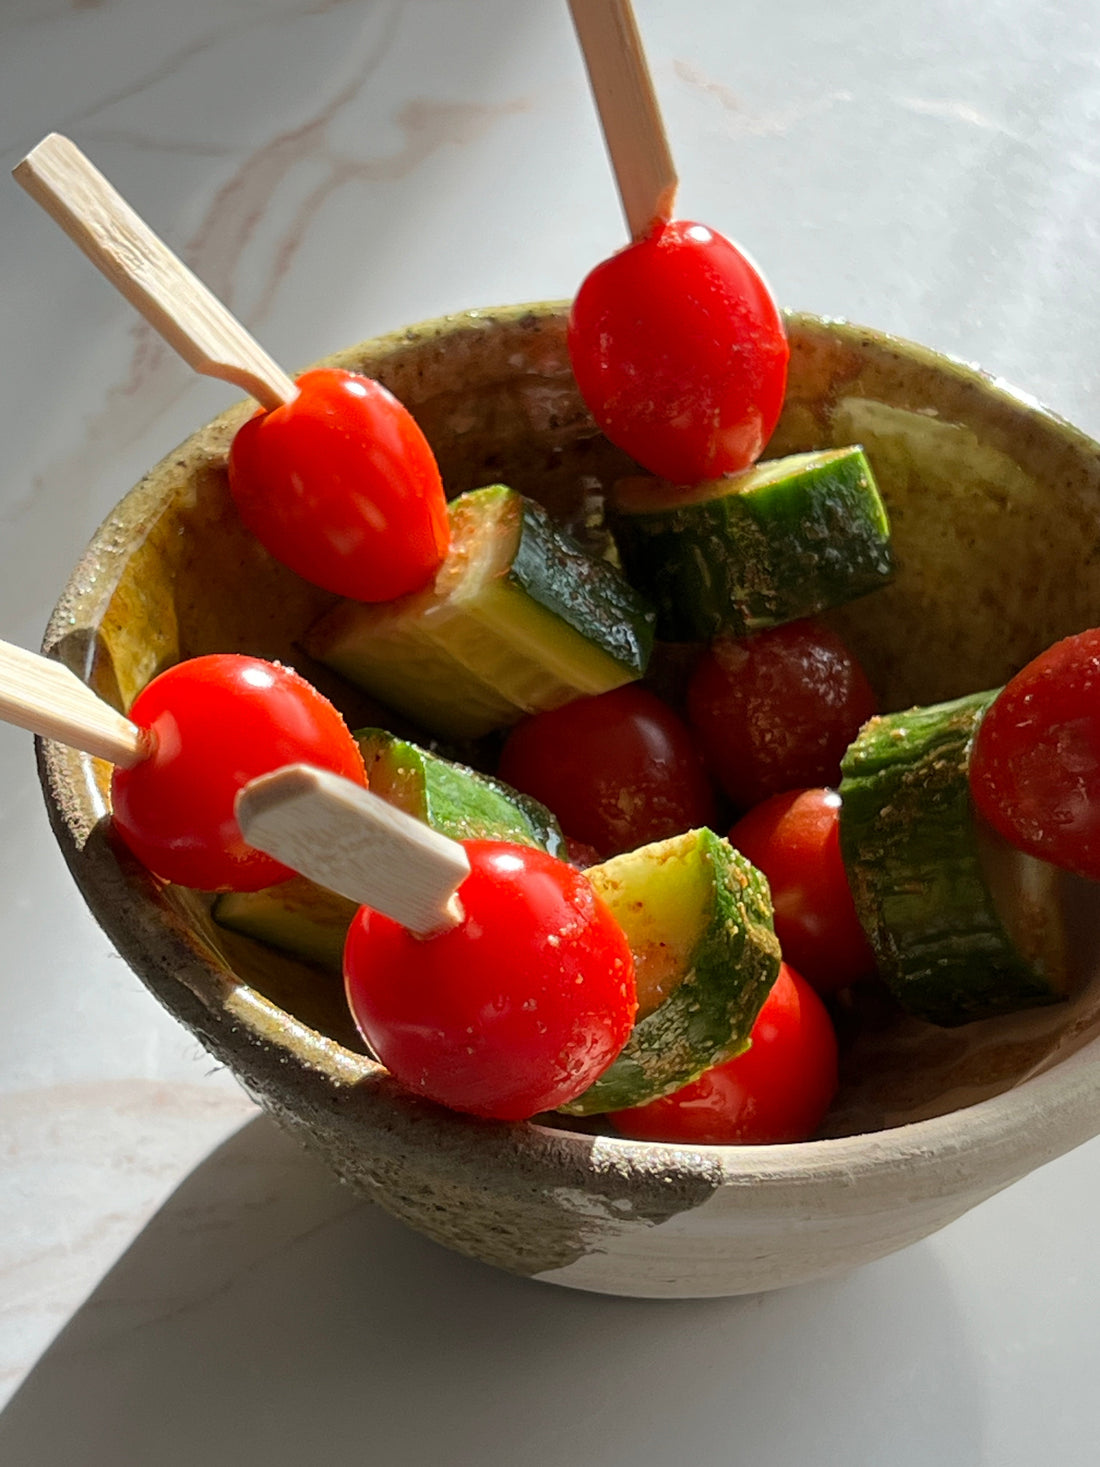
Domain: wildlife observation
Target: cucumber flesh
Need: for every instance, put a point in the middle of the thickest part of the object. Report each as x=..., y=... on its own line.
x=296, y=917
x=785, y=539
x=943, y=903
x=697, y=916
x=519, y=619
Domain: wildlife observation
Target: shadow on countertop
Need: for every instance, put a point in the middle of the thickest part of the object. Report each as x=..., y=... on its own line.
x=266, y=1316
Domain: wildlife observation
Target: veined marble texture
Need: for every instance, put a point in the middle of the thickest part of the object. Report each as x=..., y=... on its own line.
x=335, y=169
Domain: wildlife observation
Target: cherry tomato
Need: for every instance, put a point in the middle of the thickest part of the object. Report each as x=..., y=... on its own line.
x=1035, y=765
x=777, y=710
x=778, y=1090
x=794, y=838
x=514, y=1011
x=218, y=722
x=618, y=770
x=341, y=486
x=679, y=352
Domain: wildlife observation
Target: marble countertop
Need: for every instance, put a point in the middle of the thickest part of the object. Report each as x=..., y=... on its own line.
x=178, y=1284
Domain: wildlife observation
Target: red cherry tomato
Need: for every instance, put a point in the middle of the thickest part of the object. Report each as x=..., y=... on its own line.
x=517, y=1009
x=794, y=838
x=680, y=353
x=778, y=1090
x=219, y=722
x=1035, y=765
x=777, y=710
x=341, y=486
x=618, y=770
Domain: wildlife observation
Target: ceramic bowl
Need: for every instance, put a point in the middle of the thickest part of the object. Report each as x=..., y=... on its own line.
x=995, y=506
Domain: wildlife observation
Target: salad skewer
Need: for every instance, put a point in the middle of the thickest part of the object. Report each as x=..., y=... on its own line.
x=678, y=347
x=487, y=976
x=333, y=475
x=520, y=1013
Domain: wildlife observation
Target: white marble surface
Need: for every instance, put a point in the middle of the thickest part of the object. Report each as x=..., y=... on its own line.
x=177, y=1283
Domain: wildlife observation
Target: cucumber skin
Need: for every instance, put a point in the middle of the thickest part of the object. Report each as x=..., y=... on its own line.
x=909, y=845
x=460, y=802
x=743, y=562
x=709, y=1016
x=554, y=571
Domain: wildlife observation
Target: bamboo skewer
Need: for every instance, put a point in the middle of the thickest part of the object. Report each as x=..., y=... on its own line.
x=44, y=697
x=154, y=280
x=347, y=839
x=627, y=103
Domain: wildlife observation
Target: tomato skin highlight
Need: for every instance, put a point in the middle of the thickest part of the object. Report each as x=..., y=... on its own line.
x=218, y=722
x=341, y=486
x=777, y=1091
x=618, y=770
x=680, y=353
x=517, y=1009
x=776, y=711
x=1035, y=763
x=794, y=839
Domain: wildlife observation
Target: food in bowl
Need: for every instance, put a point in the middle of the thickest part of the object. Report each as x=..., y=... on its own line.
x=538, y=988
x=497, y=402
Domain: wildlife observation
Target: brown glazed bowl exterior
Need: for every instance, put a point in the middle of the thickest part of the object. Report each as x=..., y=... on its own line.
x=995, y=506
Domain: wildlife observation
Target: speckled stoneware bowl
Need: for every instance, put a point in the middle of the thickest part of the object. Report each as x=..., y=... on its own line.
x=996, y=509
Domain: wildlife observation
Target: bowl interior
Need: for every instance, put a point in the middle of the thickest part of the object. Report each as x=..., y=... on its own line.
x=994, y=506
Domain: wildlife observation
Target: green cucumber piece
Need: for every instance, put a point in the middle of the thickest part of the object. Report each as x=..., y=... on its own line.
x=311, y=923
x=296, y=917
x=519, y=619
x=782, y=540
x=698, y=918
x=940, y=917
x=455, y=800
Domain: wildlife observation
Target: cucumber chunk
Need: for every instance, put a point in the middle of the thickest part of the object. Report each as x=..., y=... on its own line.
x=519, y=619
x=698, y=918
x=296, y=917
x=311, y=923
x=782, y=540
x=938, y=896
x=457, y=801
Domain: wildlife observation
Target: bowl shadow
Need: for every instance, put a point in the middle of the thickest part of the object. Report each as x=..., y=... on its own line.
x=266, y=1315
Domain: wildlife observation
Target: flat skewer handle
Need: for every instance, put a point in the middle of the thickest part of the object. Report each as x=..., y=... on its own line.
x=627, y=103
x=43, y=696
x=347, y=839
x=154, y=280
